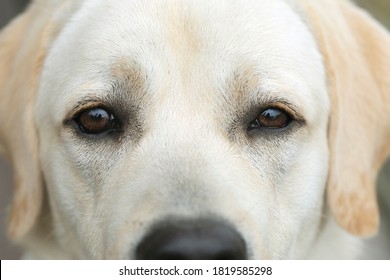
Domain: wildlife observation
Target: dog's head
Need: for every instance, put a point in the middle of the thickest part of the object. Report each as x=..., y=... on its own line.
x=151, y=129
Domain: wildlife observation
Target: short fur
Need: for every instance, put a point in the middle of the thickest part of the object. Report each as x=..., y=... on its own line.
x=185, y=78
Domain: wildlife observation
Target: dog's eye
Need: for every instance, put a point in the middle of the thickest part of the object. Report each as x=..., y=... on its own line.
x=271, y=118
x=95, y=121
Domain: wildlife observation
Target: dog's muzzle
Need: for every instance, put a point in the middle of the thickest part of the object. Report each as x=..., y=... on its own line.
x=192, y=240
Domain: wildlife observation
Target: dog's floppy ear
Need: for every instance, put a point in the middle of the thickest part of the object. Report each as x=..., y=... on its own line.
x=356, y=53
x=23, y=46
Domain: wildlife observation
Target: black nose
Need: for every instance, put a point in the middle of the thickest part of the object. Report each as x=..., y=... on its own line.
x=192, y=240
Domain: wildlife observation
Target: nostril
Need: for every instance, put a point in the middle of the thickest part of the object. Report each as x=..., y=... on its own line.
x=192, y=240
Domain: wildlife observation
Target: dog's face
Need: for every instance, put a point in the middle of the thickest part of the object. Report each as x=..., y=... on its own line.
x=179, y=114
x=184, y=110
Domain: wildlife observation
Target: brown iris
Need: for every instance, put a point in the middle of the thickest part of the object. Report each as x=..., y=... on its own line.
x=95, y=121
x=271, y=118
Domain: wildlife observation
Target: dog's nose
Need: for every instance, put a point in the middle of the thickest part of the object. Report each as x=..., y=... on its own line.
x=192, y=240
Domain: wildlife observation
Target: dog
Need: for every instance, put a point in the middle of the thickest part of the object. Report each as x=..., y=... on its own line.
x=194, y=129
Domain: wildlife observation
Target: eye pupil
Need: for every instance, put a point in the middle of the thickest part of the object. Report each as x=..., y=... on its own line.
x=96, y=120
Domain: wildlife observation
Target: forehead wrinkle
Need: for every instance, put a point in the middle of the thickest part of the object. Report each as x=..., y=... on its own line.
x=184, y=42
x=182, y=27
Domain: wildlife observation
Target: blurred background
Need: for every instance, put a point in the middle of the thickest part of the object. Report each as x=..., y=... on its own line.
x=9, y=8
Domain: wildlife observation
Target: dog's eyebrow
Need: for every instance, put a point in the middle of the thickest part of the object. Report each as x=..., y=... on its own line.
x=126, y=86
x=130, y=74
x=248, y=91
x=245, y=83
x=242, y=81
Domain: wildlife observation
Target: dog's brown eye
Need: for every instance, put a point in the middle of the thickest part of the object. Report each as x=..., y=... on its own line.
x=271, y=118
x=95, y=121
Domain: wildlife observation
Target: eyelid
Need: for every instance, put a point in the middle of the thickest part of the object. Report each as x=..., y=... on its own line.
x=85, y=105
x=288, y=108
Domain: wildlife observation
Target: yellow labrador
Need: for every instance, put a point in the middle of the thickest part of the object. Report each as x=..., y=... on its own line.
x=207, y=129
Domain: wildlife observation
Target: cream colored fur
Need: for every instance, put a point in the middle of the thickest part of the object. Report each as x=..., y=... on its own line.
x=184, y=76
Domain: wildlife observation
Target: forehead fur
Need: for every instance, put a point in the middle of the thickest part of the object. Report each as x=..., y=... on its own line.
x=185, y=44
